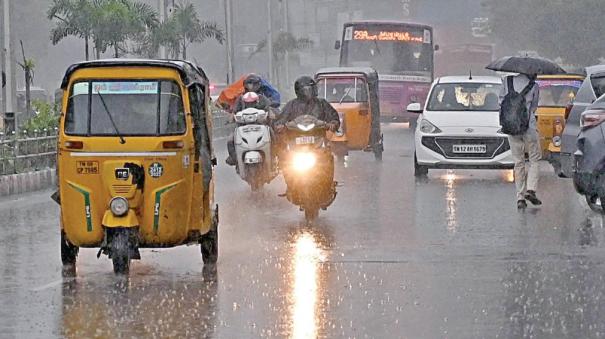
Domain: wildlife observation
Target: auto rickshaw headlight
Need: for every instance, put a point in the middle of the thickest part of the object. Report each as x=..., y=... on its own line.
x=556, y=141
x=304, y=161
x=119, y=206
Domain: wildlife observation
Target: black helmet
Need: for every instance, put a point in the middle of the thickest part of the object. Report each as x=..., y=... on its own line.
x=252, y=83
x=305, y=88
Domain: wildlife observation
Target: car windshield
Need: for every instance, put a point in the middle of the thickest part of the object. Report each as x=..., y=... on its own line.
x=465, y=97
x=136, y=107
x=557, y=92
x=598, y=84
x=339, y=90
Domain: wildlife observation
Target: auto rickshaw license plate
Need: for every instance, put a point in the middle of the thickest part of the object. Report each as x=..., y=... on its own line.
x=87, y=167
x=306, y=140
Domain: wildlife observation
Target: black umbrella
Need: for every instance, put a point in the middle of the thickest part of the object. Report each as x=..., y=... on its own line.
x=525, y=65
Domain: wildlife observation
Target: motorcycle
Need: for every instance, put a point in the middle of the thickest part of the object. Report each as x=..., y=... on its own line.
x=308, y=166
x=256, y=163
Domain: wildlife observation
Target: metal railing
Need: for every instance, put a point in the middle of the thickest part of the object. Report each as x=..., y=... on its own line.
x=27, y=151
x=36, y=150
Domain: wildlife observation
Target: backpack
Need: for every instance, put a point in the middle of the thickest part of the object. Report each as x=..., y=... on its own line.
x=514, y=116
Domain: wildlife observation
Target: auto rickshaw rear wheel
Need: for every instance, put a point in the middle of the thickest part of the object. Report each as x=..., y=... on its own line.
x=69, y=252
x=209, y=246
x=595, y=203
x=120, y=252
x=378, y=154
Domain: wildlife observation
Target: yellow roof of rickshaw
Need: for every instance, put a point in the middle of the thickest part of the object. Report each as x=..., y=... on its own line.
x=562, y=77
x=190, y=72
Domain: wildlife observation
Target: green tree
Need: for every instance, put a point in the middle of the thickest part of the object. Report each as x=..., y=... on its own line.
x=73, y=18
x=571, y=30
x=28, y=66
x=47, y=117
x=115, y=22
x=108, y=23
x=283, y=44
x=182, y=29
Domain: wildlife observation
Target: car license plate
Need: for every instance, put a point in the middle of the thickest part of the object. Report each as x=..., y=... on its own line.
x=306, y=140
x=476, y=149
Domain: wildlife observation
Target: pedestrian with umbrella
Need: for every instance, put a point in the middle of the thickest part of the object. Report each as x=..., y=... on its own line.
x=518, y=104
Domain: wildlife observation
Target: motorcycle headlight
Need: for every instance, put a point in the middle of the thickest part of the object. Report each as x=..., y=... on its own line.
x=304, y=161
x=305, y=128
x=427, y=127
x=119, y=206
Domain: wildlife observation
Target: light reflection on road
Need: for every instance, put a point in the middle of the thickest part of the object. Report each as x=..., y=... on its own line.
x=307, y=256
x=450, y=199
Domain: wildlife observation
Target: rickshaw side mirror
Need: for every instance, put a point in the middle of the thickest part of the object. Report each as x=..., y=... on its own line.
x=436, y=47
x=414, y=107
x=337, y=44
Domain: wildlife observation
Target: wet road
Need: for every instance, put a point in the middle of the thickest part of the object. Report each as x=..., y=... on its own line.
x=449, y=257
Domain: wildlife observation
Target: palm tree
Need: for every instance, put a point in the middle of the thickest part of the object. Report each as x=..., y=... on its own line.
x=117, y=21
x=183, y=28
x=283, y=44
x=74, y=18
x=28, y=66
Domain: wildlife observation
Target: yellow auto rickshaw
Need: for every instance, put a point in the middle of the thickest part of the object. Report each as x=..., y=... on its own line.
x=135, y=160
x=557, y=92
x=353, y=92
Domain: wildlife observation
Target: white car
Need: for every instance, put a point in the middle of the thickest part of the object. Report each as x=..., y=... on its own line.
x=459, y=126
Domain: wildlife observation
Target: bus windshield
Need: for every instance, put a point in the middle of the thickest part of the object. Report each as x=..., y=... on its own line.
x=391, y=50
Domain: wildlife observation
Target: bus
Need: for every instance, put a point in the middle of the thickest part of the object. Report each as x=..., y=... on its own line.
x=402, y=53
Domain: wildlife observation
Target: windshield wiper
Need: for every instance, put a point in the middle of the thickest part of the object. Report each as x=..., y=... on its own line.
x=346, y=93
x=122, y=141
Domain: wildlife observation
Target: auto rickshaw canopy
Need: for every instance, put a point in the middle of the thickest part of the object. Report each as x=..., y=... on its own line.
x=370, y=75
x=190, y=72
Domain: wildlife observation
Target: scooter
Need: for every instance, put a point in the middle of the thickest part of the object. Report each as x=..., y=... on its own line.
x=309, y=166
x=256, y=162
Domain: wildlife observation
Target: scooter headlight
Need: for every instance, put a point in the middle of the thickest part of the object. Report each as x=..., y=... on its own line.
x=119, y=206
x=304, y=161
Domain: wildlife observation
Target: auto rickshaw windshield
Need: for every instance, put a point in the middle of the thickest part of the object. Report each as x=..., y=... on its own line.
x=339, y=90
x=137, y=108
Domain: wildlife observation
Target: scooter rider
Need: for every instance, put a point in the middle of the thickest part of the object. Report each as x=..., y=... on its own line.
x=307, y=103
x=247, y=100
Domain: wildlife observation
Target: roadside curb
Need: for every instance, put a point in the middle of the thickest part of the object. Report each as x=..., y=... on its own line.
x=27, y=182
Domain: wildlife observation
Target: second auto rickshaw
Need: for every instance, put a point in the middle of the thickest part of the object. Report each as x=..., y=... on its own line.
x=135, y=159
x=353, y=92
x=557, y=92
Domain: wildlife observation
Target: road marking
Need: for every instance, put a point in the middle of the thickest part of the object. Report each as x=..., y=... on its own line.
x=47, y=286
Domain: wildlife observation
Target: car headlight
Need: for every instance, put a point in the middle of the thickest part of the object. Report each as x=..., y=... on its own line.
x=427, y=127
x=119, y=206
x=304, y=161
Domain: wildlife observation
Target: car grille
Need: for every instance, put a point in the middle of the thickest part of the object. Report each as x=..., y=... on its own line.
x=444, y=146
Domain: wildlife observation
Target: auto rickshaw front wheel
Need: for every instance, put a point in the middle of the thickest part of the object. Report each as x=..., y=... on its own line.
x=120, y=252
x=69, y=252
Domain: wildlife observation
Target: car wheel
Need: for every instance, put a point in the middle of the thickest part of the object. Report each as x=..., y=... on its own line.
x=419, y=170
